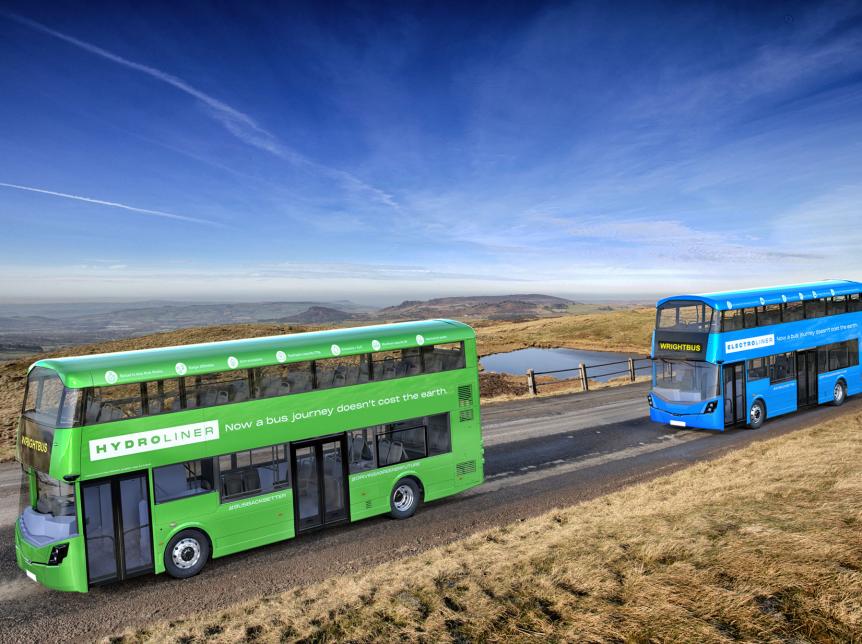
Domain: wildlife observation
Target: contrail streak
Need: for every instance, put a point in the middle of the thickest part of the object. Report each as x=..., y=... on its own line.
x=112, y=204
x=239, y=124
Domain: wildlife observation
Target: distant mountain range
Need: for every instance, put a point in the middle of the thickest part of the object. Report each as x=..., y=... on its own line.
x=486, y=307
x=54, y=325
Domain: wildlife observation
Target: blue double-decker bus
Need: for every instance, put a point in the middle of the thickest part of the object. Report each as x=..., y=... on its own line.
x=740, y=357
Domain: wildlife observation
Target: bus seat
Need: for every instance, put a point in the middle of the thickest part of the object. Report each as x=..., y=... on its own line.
x=94, y=408
x=110, y=412
x=266, y=477
x=383, y=447
x=250, y=480
x=433, y=363
x=388, y=367
x=232, y=484
x=339, y=378
x=396, y=453
x=412, y=366
x=282, y=471
x=155, y=406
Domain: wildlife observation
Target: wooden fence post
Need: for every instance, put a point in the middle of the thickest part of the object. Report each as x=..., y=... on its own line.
x=585, y=383
x=531, y=382
x=632, y=369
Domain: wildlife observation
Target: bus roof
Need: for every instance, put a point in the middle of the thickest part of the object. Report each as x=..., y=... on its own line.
x=726, y=300
x=195, y=359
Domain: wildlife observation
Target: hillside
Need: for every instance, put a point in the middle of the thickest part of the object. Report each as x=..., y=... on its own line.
x=487, y=307
x=627, y=330
x=319, y=315
x=760, y=545
x=56, y=325
x=79, y=326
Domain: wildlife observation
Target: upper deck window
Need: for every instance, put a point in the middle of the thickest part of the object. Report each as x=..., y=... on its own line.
x=47, y=402
x=119, y=402
x=686, y=315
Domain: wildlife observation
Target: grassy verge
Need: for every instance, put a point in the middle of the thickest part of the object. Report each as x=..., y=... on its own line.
x=762, y=545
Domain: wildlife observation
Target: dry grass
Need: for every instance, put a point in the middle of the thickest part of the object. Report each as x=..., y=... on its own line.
x=619, y=330
x=761, y=545
x=624, y=331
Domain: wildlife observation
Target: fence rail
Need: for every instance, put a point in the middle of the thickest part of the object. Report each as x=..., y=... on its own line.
x=583, y=370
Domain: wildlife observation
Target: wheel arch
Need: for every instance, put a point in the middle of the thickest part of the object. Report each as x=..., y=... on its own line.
x=758, y=399
x=415, y=478
x=197, y=527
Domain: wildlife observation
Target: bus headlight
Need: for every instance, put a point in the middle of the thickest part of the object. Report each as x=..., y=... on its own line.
x=710, y=407
x=649, y=400
x=58, y=553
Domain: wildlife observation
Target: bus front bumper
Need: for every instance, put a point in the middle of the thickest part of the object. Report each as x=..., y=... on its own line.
x=70, y=574
x=687, y=415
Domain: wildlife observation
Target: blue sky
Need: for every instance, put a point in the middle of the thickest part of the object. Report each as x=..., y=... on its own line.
x=389, y=151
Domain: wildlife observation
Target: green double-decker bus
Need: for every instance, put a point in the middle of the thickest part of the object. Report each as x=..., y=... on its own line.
x=157, y=460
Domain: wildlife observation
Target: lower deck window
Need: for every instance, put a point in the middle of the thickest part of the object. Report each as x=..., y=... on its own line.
x=398, y=442
x=255, y=471
x=840, y=355
x=183, y=479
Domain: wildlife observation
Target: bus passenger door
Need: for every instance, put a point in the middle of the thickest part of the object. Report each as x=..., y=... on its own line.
x=734, y=393
x=117, y=527
x=320, y=483
x=806, y=378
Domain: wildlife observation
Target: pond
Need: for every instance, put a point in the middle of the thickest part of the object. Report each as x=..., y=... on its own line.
x=517, y=362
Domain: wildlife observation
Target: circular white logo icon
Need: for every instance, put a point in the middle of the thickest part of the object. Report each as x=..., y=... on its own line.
x=832, y=290
x=729, y=304
x=783, y=298
x=375, y=344
x=762, y=301
x=111, y=377
x=335, y=349
x=281, y=356
x=814, y=294
x=232, y=362
x=801, y=295
x=181, y=369
x=420, y=340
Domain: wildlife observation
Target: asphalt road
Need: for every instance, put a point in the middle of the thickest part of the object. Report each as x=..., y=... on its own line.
x=539, y=454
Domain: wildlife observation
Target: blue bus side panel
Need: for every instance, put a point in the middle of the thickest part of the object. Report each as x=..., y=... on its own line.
x=826, y=383
x=780, y=398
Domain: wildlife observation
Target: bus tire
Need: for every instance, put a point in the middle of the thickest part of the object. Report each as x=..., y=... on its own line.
x=186, y=554
x=405, y=499
x=757, y=414
x=839, y=393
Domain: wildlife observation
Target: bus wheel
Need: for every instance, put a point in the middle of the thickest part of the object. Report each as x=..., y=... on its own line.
x=756, y=415
x=839, y=393
x=186, y=554
x=404, y=499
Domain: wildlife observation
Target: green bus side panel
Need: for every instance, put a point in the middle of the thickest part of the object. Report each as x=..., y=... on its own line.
x=231, y=526
x=138, y=443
